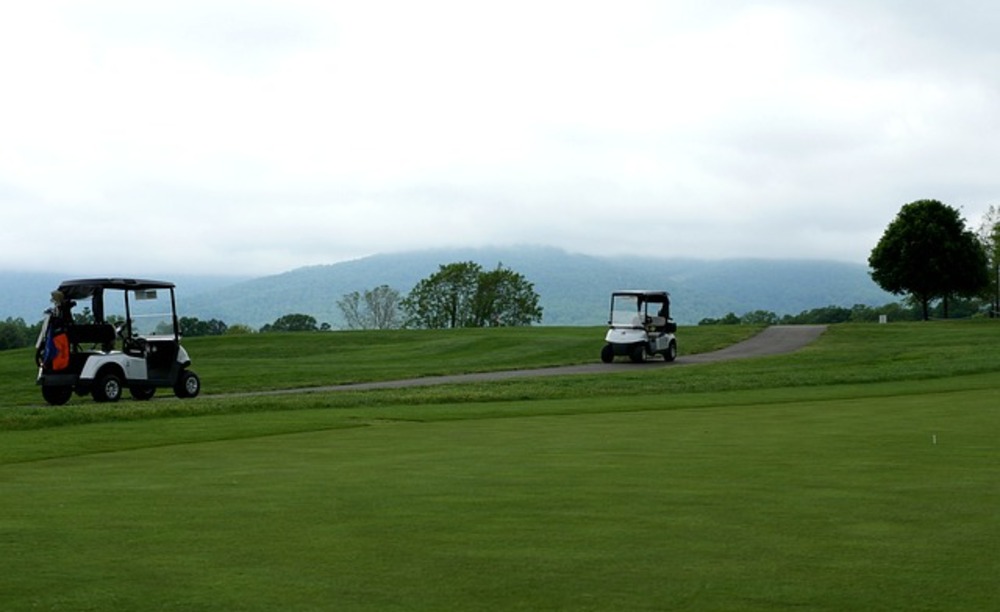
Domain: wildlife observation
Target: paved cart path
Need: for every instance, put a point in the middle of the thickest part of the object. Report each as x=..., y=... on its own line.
x=775, y=340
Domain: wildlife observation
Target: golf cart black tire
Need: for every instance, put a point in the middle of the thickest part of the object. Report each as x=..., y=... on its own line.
x=608, y=353
x=188, y=385
x=107, y=388
x=671, y=353
x=142, y=393
x=637, y=354
x=57, y=396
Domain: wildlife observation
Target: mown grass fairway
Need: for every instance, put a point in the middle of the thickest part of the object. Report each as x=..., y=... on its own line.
x=859, y=474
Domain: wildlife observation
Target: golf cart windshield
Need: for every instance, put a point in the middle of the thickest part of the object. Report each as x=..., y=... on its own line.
x=151, y=313
x=625, y=311
x=638, y=309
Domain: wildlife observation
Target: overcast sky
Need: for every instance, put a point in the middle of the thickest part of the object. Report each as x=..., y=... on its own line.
x=257, y=136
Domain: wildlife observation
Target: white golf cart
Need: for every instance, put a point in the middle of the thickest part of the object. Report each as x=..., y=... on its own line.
x=640, y=326
x=77, y=352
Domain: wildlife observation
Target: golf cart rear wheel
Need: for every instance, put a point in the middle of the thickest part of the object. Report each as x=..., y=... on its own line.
x=57, y=396
x=671, y=353
x=142, y=393
x=107, y=388
x=188, y=385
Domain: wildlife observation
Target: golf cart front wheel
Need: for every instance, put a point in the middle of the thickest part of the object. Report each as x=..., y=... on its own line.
x=671, y=353
x=108, y=388
x=607, y=353
x=188, y=385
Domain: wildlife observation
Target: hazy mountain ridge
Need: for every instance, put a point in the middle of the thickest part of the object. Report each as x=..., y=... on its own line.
x=574, y=289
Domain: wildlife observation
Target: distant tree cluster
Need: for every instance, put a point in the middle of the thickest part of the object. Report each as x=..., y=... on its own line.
x=15, y=333
x=859, y=313
x=191, y=327
x=294, y=323
x=464, y=295
x=459, y=294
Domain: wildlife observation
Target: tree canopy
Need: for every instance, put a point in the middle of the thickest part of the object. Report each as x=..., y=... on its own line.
x=927, y=252
x=463, y=295
x=15, y=333
x=505, y=298
x=292, y=323
x=192, y=326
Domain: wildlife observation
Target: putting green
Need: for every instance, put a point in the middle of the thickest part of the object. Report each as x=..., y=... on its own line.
x=853, y=503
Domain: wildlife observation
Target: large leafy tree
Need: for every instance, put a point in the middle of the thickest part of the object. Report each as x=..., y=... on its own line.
x=463, y=295
x=927, y=252
x=444, y=299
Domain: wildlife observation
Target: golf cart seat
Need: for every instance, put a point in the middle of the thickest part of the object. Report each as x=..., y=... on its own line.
x=662, y=324
x=92, y=333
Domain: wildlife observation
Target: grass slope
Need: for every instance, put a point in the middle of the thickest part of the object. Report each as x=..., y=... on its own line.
x=858, y=474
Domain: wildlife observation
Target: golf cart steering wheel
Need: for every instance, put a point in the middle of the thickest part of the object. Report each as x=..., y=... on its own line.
x=130, y=344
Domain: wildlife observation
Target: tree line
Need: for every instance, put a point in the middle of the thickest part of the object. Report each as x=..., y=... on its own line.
x=15, y=333
x=461, y=294
x=859, y=313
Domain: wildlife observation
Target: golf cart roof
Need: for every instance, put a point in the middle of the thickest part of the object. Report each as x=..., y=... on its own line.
x=645, y=294
x=85, y=288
